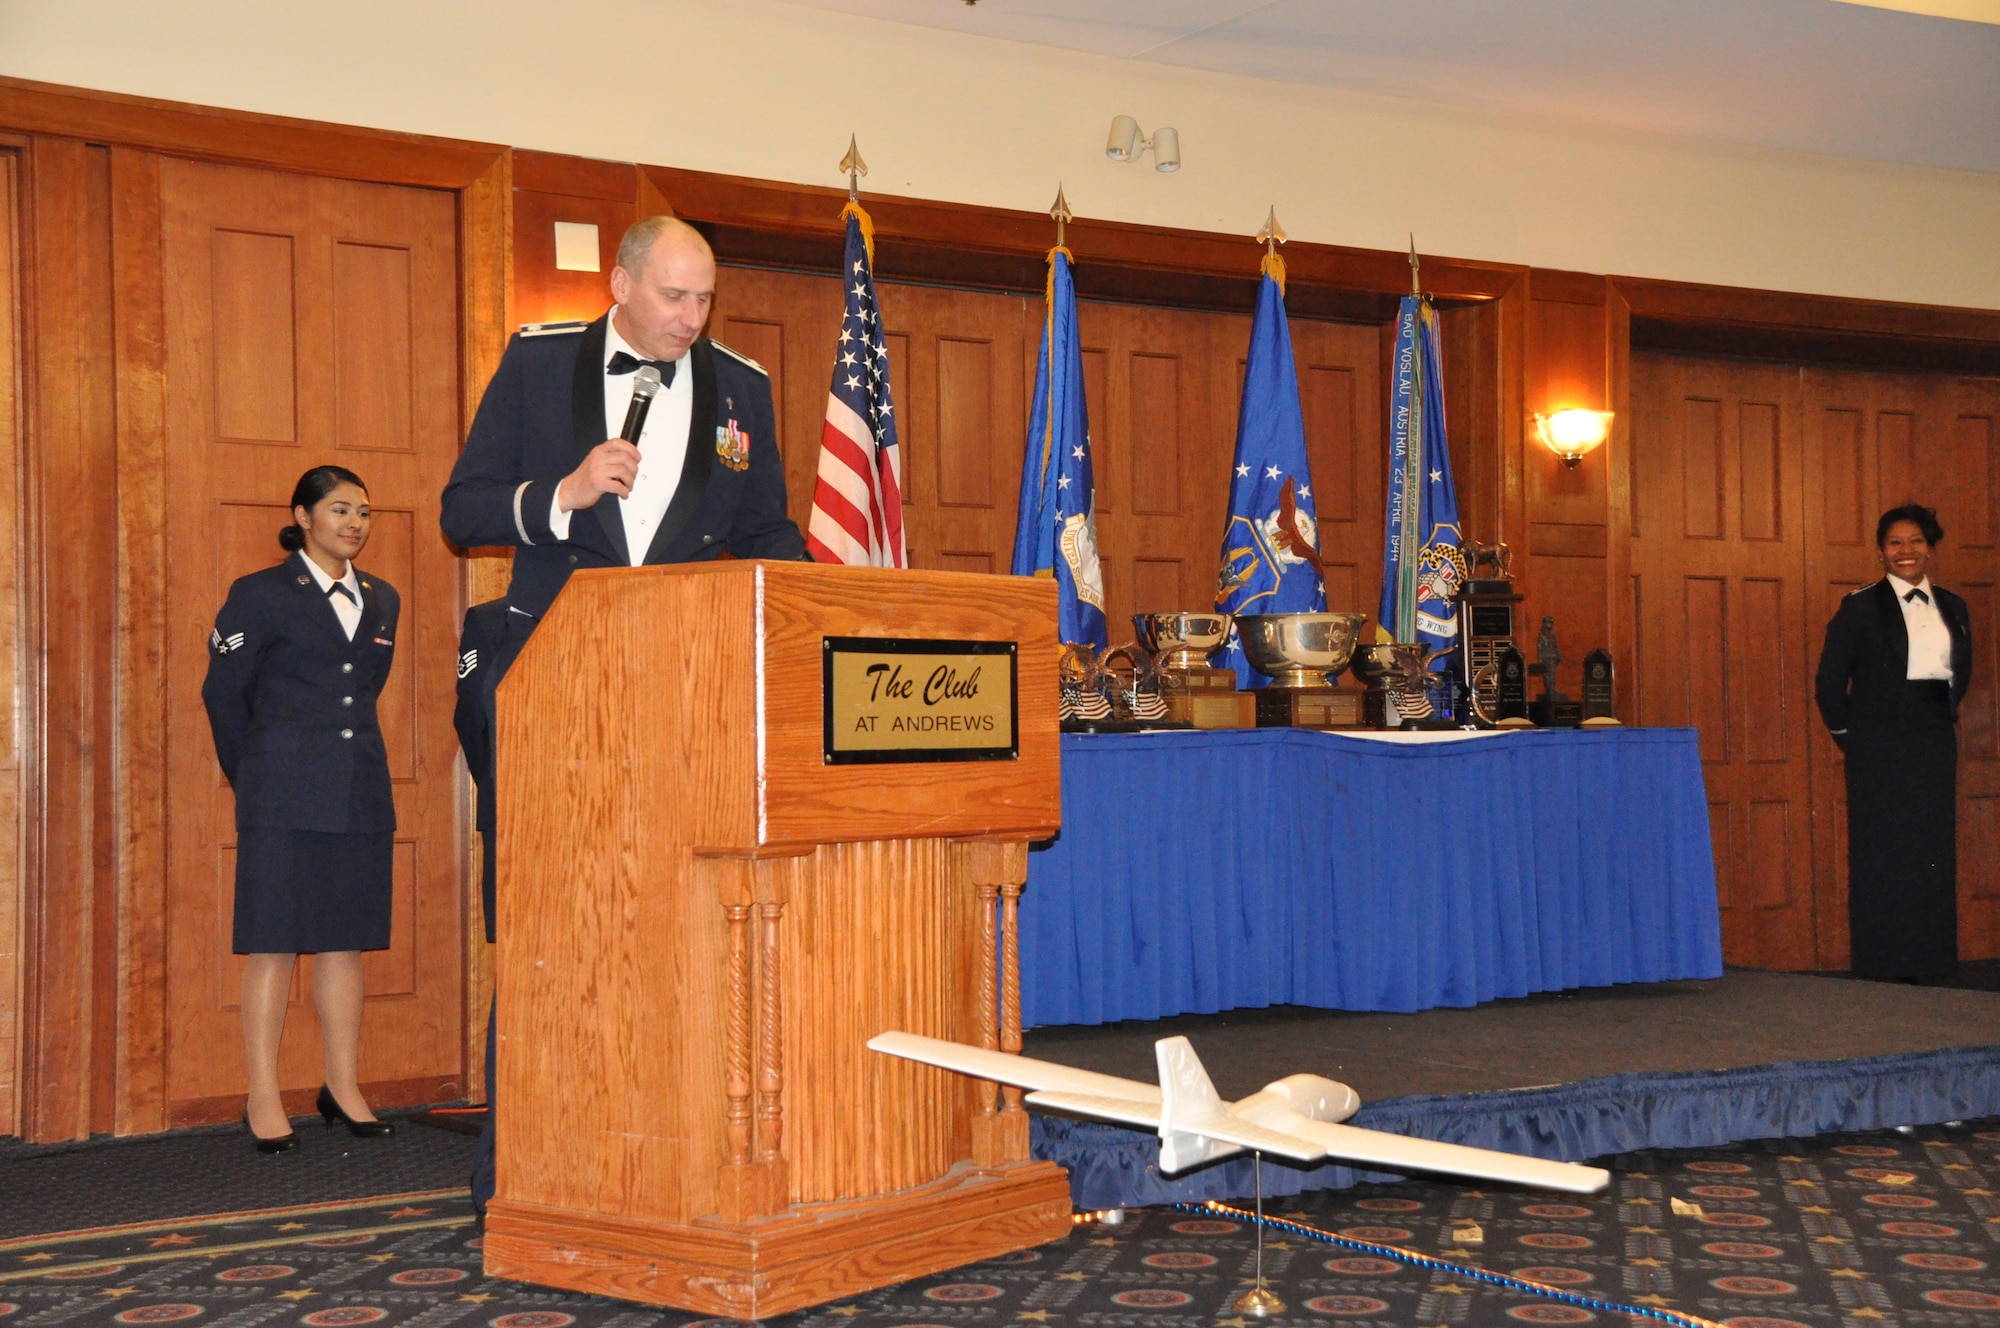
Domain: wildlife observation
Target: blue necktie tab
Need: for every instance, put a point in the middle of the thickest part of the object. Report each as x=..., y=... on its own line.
x=621, y=363
x=340, y=588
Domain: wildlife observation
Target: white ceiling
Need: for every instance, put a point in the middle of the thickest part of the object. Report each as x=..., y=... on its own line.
x=1849, y=79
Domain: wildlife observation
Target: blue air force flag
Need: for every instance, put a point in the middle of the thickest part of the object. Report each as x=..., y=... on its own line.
x=1422, y=567
x=1056, y=533
x=1261, y=571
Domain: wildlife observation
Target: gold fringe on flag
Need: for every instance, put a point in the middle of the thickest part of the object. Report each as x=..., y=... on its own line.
x=1274, y=268
x=860, y=214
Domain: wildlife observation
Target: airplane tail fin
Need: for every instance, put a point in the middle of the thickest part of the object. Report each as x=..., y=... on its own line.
x=1186, y=1095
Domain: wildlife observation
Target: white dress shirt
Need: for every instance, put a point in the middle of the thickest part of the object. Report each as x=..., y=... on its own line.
x=1930, y=639
x=663, y=444
x=349, y=610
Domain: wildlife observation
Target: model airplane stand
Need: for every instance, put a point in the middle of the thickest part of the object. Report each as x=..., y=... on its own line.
x=709, y=907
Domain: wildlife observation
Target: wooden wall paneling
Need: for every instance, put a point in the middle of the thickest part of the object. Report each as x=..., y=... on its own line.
x=71, y=927
x=1622, y=609
x=1472, y=413
x=485, y=323
x=1568, y=510
x=1720, y=589
x=201, y=132
x=769, y=224
x=138, y=1101
x=548, y=189
x=1340, y=368
x=12, y=661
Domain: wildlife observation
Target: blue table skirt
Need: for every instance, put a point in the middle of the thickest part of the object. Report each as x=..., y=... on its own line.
x=1198, y=872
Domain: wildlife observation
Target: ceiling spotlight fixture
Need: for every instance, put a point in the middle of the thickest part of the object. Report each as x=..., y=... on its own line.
x=1127, y=142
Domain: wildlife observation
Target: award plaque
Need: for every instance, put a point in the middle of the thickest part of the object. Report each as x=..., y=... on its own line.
x=1308, y=707
x=1510, y=707
x=1485, y=625
x=1600, y=706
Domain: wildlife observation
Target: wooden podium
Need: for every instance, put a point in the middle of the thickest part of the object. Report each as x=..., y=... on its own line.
x=703, y=920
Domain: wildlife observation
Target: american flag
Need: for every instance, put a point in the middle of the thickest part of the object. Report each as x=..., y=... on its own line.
x=857, y=514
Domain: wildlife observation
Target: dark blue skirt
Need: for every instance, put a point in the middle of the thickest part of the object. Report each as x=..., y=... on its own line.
x=304, y=891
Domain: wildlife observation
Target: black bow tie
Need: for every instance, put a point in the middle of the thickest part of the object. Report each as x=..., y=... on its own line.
x=340, y=588
x=621, y=363
x=1916, y=595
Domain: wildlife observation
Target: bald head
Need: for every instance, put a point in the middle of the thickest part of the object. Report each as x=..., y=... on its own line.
x=642, y=238
x=664, y=284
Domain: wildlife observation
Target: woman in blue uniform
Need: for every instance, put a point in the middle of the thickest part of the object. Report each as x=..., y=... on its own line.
x=299, y=654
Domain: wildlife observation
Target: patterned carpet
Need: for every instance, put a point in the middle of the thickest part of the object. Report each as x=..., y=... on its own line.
x=1840, y=1232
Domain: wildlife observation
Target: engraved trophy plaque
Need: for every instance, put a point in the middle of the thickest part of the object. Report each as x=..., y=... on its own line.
x=1600, y=703
x=1510, y=702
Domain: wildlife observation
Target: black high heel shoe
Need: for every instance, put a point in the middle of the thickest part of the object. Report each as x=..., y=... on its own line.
x=284, y=1143
x=329, y=1111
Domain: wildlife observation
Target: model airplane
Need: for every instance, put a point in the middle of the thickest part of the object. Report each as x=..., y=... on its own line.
x=1297, y=1117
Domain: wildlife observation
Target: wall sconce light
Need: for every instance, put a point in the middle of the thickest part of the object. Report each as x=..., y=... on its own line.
x=1571, y=433
x=1127, y=142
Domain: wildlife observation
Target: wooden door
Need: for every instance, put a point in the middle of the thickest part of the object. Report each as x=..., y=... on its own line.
x=1874, y=441
x=1719, y=589
x=309, y=322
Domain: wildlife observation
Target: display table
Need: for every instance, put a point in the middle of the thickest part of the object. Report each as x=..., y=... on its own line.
x=1198, y=872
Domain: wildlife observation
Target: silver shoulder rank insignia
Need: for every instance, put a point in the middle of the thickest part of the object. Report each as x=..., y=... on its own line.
x=739, y=357
x=468, y=662
x=552, y=329
x=221, y=644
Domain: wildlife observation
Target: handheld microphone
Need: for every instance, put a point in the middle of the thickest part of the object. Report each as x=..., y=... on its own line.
x=645, y=383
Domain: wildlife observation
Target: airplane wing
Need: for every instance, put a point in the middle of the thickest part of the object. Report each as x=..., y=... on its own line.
x=1121, y=1109
x=1006, y=1068
x=1399, y=1152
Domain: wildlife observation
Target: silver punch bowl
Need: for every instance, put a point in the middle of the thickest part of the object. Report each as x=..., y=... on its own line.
x=1181, y=640
x=1299, y=649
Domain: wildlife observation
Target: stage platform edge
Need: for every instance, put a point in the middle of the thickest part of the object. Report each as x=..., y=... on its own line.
x=1114, y=1167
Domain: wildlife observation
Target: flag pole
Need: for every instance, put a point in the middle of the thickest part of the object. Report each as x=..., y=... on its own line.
x=1059, y=212
x=1413, y=461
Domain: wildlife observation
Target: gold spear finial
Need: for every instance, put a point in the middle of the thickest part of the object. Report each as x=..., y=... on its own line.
x=1273, y=234
x=1416, y=285
x=855, y=169
x=1060, y=211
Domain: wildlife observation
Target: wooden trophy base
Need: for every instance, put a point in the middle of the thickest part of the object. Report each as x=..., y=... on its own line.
x=805, y=1256
x=1556, y=712
x=1308, y=708
x=1207, y=699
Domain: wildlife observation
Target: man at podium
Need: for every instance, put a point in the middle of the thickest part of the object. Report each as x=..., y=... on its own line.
x=563, y=464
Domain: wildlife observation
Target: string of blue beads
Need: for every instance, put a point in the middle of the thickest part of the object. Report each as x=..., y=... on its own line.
x=1434, y=1264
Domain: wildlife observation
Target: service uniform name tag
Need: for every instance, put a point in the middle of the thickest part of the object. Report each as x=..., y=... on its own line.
x=892, y=700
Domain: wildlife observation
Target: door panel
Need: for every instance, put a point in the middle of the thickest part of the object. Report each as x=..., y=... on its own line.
x=309, y=322
x=1718, y=488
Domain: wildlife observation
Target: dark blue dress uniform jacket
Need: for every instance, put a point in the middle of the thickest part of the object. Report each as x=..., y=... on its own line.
x=479, y=646
x=541, y=415
x=291, y=702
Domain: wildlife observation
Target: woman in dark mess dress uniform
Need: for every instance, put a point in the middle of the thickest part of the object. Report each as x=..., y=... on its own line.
x=1897, y=662
x=299, y=654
